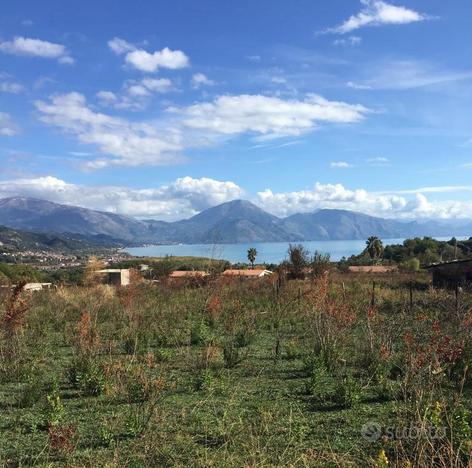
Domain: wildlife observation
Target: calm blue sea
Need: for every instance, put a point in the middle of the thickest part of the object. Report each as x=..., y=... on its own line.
x=267, y=252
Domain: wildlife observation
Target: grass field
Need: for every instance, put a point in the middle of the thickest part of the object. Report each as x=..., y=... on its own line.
x=238, y=373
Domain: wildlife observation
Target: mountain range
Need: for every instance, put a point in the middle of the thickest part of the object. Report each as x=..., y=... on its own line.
x=237, y=221
x=14, y=240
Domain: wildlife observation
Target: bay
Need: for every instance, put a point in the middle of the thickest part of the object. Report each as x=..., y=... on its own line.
x=267, y=252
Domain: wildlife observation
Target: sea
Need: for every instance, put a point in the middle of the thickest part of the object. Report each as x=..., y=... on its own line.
x=267, y=252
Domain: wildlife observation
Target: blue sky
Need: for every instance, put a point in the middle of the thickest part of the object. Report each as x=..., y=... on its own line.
x=162, y=109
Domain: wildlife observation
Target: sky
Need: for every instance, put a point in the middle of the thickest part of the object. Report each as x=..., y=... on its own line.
x=163, y=109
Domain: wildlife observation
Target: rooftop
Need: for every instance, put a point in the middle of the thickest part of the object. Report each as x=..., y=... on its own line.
x=246, y=272
x=187, y=274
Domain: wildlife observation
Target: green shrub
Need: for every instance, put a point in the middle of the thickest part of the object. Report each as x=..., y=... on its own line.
x=321, y=385
x=87, y=375
x=201, y=334
x=231, y=355
x=243, y=338
x=163, y=355
x=348, y=392
x=292, y=350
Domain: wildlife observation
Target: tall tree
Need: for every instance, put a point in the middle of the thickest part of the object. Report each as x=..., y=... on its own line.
x=374, y=248
x=298, y=260
x=251, y=256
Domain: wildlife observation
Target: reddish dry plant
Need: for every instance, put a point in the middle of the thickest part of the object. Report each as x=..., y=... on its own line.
x=128, y=294
x=385, y=352
x=438, y=348
x=213, y=307
x=88, y=339
x=16, y=308
x=61, y=438
x=234, y=316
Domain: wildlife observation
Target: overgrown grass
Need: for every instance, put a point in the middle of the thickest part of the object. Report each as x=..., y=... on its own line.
x=237, y=373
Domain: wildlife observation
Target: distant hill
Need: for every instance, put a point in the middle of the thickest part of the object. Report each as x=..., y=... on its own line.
x=14, y=240
x=238, y=221
x=40, y=215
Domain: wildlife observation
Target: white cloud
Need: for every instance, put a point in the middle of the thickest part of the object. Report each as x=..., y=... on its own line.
x=180, y=199
x=340, y=165
x=120, y=141
x=278, y=80
x=120, y=46
x=351, y=84
x=187, y=196
x=7, y=126
x=376, y=13
x=411, y=204
x=378, y=161
x=10, y=87
x=36, y=48
x=149, y=61
x=199, y=80
x=348, y=41
x=268, y=117
x=136, y=94
x=406, y=74
x=106, y=97
x=130, y=143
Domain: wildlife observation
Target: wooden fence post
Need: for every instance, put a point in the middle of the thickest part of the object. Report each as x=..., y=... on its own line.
x=372, y=302
x=457, y=293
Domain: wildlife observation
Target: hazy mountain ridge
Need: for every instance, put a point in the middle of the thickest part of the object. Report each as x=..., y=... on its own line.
x=237, y=221
x=14, y=240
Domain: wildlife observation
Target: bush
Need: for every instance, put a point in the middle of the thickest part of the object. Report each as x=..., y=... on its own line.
x=348, y=392
x=163, y=355
x=292, y=349
x=321, y=385
x=201, y=334
x=231, y=355
x=87, y=375
x=411, y=265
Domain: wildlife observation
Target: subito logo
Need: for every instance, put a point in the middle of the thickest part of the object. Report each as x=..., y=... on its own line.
x=371, y=431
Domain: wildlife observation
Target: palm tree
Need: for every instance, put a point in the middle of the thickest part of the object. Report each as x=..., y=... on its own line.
x=251, y=256
x=374, y=247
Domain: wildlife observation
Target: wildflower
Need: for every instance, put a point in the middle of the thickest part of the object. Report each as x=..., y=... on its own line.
x=382, y=459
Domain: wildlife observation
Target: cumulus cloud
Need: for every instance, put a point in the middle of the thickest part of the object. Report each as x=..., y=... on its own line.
x=268, y=117
x=7, y=126
x=120, y=141
x=180, y=199
x=36, y=48
x=136, y=94
x=376, y=13
x=411, y=204
x=124, y=142
x=7, y=85
x=120, y=46
x=199, y=80
x=187, y=196
x=149, y=61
